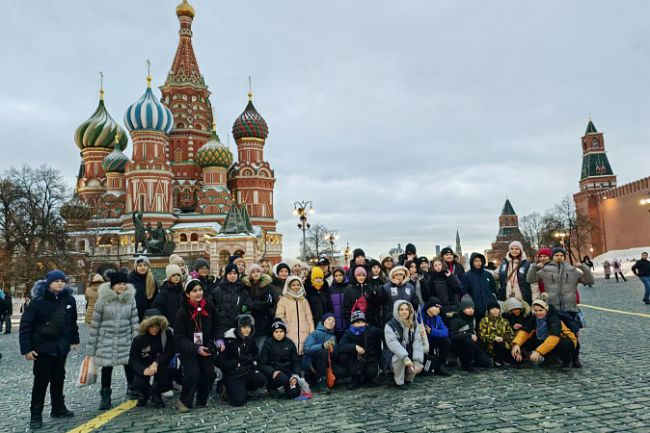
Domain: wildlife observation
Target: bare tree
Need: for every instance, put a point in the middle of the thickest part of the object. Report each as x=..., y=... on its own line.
x=317, y=240
x=532, y=227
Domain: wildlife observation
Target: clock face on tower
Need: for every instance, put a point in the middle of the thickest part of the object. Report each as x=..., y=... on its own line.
x=594, y=143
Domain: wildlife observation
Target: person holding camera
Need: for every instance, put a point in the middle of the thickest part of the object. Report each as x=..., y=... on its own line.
x=48, y=329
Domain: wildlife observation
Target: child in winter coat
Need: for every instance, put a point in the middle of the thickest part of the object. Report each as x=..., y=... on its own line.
x=114, y=326
x=496, y=335
x=194, y=336
x=171, y=296
x=479, y=284
x=359, y=351
x=91, y=296
x=280, y=273
x=397, y=289
x=240, y=361
x=438, y=335
x=261, y=302
x=373, y=293
x=418, y=281
x=337, y=292
x=280, y=362
x=516, y=314
x=202, y=273
x=293, y=309
x=149, y=358
x=48, y=329
x=317, y=347
x=353, y=296
x=228, y=299
x=445, y=286
x=403, y=342
x=317, y=292
x=464, y=341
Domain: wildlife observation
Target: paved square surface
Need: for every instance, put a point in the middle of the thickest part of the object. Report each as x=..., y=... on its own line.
x=610, y=394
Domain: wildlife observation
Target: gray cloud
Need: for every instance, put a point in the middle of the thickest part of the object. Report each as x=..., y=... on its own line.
x=402, y=121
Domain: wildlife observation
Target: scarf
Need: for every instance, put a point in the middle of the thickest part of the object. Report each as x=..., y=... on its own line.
x=541, y=329
x=317, y=272
x=357, y=330
x=197, y=308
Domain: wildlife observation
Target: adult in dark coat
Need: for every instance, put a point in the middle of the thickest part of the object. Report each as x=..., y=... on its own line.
x=240, y=361
x=446, y=287
x=194, y=335
x=48, y=328
x=280, y=362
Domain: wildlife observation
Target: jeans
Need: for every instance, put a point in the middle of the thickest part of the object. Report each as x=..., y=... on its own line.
x=646, y=284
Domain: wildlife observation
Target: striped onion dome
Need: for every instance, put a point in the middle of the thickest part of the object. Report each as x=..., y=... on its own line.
x=250, y=124
x=214, y=153
x=99, y=130
x=148, y=113
x=115, y=162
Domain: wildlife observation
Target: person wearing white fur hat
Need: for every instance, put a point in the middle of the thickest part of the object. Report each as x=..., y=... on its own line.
x=398, y=288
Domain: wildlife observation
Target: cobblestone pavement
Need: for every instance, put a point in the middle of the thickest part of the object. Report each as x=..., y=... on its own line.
x=609, y=394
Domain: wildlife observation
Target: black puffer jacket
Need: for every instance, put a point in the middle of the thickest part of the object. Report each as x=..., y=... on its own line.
x=446, y=288
x=374, y=297
x=240, y=356
x=209, y=284
x=184, y=329
x=279, y=356
x=261, y=303
x=140, y=284
x=229, y=300
x=370, y=340
x=169, y=300
x=319, y=300
x=49, y=323
x=461, y=327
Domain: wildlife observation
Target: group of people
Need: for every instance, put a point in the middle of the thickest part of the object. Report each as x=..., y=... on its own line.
x=291, y=332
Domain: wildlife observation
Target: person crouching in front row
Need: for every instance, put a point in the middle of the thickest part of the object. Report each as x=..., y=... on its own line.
x=194, y=334
x=403, y=344
x=240, y=361
x=360, y=350
x=149, y=357
x=280, y=362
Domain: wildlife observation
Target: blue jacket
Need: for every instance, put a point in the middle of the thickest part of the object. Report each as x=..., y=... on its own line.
x=337, y=292
x=315, y=342
x=480, y=285
x=49, y=323
x=438, y=328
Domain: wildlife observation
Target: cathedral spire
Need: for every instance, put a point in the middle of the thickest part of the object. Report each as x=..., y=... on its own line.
x=185, y=68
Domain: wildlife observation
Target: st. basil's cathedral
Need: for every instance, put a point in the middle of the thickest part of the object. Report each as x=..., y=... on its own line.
x=180, y=178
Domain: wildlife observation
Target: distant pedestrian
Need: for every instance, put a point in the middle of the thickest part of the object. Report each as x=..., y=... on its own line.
x=642, y=270
x=6, y=311
x=618, y=270
x=91, y=296
x=607, y=267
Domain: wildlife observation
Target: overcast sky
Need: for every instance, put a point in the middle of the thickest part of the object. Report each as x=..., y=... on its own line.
x=401, y=120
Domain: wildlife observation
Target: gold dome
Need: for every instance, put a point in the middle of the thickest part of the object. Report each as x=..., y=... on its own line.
x=185, y=9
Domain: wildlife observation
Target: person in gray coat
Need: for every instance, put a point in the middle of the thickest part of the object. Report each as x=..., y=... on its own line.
x=113, y=327
x=403, y=344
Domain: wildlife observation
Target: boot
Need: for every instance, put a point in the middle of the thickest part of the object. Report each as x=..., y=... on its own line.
x=442, y=371
x=59, y=410
x=36, y=419
x=142, y=400
x=105, y=394
x=575, y=359
x=132, y=393
x=157, y=401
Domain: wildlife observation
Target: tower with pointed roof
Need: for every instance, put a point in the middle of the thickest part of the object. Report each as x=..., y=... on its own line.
x=459, y=250
x=508, y=232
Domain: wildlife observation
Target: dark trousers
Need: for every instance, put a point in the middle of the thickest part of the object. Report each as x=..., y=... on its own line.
x=238, y=387
x=318, y=363
x=563, y=351
x=501, y=353
x=160, y=380
x=616, y=274
x=6, y=319
x=359, y=368
x=48, y=370
x=438, y=353
x=107, y=376
x=291, y=391
x=469, y=352
x=198, y=376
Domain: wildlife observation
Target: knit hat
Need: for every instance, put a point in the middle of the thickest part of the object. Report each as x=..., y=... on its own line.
x=373, y=262
x=397, y=269
x=516, y=244
x=358, y=252
x=117, y=278
x=559, y=250
x=466, y=302
x=151, y=312
x=191, y=283
x=231, y=267
x=513, y=303
x=255, y=267
x=410, y=249
x=279, y=324
x=357, y=316
x=282, y=266
x=542, y=301
x=53, y=276
x=493, y=304
x=245, y=320
x=175, y=259
x=97, y=279
x=141, y=259
x=446, y=250
x=327, y=316
x=360, y=270
x=316, y=272
x=433, y=302
x=173, y=270
x=544, y=252
x=201, y=263
x=422, y=260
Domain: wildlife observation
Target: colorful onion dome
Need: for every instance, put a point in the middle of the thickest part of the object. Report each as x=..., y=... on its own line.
x=214, y=153
x=250, y=124
x=75, y=210
x=115, y=162
x=148, y=113
x=185, y=9
x=99, y=130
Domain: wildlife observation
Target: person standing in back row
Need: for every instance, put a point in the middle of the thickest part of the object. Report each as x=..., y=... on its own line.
x=642, y=270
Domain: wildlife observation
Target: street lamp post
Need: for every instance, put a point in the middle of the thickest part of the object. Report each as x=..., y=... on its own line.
x=301, y=209
x=331, y=237
x=346, y=253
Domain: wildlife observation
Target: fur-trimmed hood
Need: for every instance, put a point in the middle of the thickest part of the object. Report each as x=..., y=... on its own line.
x=159, y=321
x=107, y=294
x=265, y=281
x=41, y=286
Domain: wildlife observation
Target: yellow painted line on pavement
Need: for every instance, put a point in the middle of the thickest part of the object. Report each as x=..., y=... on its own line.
x=609, y=310
x=104, y=418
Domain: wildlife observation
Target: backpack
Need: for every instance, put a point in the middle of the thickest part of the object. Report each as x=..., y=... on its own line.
x=361, y=304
